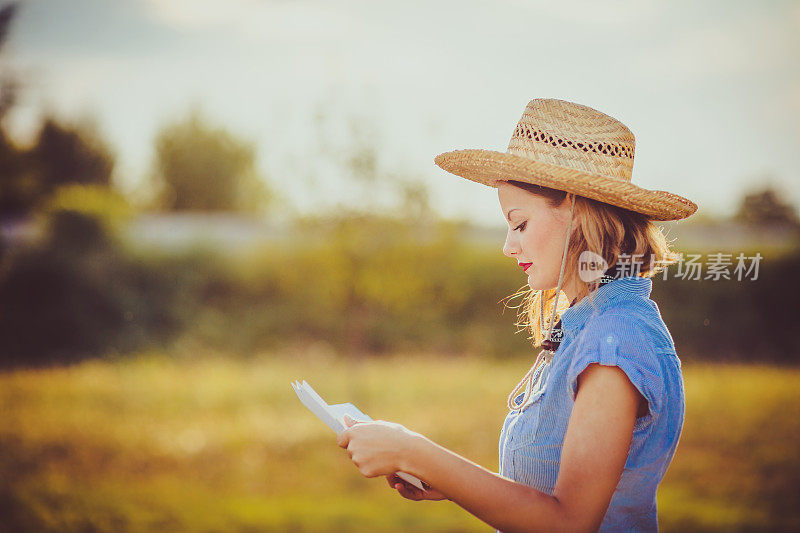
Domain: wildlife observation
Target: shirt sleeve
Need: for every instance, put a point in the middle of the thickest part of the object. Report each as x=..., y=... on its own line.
x=622, y=340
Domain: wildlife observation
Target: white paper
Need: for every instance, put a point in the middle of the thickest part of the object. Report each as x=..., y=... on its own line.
x=333, y=416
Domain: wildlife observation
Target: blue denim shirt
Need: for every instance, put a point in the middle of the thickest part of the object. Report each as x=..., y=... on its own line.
x=623, y=328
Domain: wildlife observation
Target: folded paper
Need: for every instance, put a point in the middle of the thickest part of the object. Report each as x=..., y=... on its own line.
x=333, y=417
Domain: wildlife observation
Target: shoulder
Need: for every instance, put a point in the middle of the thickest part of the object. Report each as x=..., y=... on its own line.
x=632, y=325
x=627, y=338
x=621, y=324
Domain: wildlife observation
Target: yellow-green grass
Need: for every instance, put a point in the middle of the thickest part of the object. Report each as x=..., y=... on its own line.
x=158, y=443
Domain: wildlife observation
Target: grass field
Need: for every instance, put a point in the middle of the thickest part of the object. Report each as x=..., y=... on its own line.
x=213, y=444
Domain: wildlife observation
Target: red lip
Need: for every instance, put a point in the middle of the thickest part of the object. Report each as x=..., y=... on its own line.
x=525, y=266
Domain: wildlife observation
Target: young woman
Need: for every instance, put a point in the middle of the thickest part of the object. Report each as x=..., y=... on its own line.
x=595, y=422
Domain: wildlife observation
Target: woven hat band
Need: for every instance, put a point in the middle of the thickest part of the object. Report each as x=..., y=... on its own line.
x=576, y=137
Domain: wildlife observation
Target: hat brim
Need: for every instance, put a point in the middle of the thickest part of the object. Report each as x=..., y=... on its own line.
x=489, y=167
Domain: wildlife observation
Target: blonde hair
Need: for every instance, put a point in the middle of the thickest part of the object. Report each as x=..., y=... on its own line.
x=612, y=232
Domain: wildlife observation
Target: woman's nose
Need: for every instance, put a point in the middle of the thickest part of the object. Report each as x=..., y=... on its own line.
x=511, y=246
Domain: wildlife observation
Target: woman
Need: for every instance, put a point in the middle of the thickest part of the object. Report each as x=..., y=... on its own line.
x=595, y=423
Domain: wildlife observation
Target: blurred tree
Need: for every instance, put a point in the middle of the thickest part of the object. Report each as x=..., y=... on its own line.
x=201, y=167
x=6, y=15
x=73, y=293
x=109, y=209
x=8, y=84
x=766, y=207
x=17, y=191
x=9, y=155
x=61, y=155
x=350, y=146
x=415, y=201
x=65, y=155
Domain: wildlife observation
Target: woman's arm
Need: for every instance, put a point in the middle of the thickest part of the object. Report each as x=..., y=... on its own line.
x=595, y=450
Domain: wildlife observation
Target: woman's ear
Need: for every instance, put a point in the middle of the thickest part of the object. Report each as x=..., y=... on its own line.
x=566, y=205
x=576, y=220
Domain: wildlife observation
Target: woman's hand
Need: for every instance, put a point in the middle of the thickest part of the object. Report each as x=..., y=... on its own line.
x=381, y=448
x=410, y=492
x=378, y=447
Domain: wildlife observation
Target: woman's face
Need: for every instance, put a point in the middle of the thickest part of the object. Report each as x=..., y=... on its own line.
x=536, y=233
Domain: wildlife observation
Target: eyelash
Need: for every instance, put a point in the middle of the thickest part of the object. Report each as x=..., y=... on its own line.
x=521, y=226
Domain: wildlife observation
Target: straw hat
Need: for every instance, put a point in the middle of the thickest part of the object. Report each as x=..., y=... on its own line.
x=573, y=148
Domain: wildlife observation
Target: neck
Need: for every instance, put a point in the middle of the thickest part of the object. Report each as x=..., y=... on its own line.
x=572, y=292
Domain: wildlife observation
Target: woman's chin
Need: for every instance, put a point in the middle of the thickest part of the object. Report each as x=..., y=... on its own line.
x=535, y=284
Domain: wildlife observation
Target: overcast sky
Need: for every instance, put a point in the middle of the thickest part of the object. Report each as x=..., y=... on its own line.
x=711, y=89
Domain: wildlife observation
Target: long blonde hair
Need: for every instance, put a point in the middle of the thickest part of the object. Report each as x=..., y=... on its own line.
x=612, y=232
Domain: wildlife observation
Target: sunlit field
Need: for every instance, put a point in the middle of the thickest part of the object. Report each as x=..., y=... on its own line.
x=214, y=444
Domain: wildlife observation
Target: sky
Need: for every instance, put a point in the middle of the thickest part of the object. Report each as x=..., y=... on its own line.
x=710, y=89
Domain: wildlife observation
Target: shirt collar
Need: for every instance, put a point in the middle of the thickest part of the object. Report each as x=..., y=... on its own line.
x=626, y=287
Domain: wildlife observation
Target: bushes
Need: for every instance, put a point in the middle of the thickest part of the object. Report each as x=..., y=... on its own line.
x=361, y=285
x=748, y=320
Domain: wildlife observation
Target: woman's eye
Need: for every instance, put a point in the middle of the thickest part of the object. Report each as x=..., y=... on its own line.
x=521, y=226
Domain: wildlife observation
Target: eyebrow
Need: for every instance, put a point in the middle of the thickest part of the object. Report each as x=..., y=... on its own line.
x=508, y=215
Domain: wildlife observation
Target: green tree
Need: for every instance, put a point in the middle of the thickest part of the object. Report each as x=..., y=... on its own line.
x=202, y=167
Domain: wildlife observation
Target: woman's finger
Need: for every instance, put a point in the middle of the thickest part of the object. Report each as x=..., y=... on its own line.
x=392, y=479
x=411, y=493
x=405, y=489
